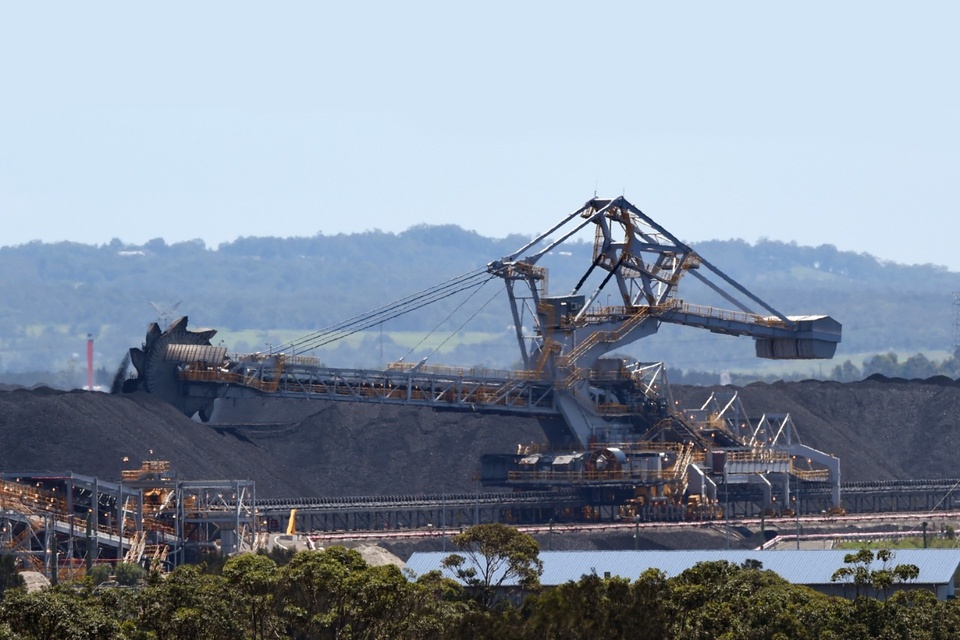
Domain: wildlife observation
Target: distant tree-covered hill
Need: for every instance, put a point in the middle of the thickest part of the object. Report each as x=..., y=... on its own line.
x=263, y=291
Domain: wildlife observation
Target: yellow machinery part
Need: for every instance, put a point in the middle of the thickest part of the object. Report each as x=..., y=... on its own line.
x=292, y=523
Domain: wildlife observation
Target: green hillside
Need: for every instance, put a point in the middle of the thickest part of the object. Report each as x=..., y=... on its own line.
x=265, y=291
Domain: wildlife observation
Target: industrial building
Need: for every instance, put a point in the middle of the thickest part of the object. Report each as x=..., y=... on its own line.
x=811, y=568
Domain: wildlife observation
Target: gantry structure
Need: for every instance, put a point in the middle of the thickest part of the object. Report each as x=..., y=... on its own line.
x=61, y=524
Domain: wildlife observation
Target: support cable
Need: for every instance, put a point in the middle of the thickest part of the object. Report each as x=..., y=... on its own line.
x=420, y=298
x=371, y=320
x=449, y=315
x=472, y=316
x=439, y=324
x=374, y=321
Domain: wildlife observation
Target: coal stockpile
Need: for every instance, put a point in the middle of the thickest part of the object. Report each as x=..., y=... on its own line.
x=291, y=448
x=879, y=430
x=91, y=433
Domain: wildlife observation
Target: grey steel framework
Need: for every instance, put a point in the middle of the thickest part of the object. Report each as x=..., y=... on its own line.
x=388, y=513
x=375, y=513
x=72, y=521
x=67, y=517
x=216, y=516
x=224, y=516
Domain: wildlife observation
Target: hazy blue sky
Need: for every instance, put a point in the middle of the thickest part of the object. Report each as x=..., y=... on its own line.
x=819, y=122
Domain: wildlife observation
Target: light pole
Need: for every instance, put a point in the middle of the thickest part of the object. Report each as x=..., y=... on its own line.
x=796, y=511
x=726, y=501
x=120, y=510
x=120, y=520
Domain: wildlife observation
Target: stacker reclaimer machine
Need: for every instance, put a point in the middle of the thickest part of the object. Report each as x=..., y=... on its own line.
x=631, y=450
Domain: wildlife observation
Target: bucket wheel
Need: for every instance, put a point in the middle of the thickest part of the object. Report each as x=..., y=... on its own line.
x=157, y=374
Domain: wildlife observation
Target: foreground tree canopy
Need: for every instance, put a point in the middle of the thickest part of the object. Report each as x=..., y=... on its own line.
x=334, y=594
x=495, y=555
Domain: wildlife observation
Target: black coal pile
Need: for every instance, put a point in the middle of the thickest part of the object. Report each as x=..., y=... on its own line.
x=879, y=429
x=291, y=448
x=91, y=433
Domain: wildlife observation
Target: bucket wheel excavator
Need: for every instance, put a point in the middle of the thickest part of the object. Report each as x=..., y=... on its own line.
x=625, y=430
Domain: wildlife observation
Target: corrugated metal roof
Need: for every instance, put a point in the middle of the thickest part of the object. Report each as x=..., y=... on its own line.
x=809, y=567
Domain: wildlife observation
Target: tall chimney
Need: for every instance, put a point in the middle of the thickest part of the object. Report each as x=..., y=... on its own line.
x=89, y=362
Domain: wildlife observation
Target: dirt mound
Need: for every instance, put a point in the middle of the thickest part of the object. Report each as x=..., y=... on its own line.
x=880, y=429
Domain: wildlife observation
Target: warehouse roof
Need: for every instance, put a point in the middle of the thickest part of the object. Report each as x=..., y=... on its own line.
x=809, y=567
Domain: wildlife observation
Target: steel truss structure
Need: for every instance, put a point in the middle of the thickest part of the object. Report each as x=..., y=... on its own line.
x=454, y=511
x=216, y=516
x=67, y=520
x=64, y=523
x=438, y=511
